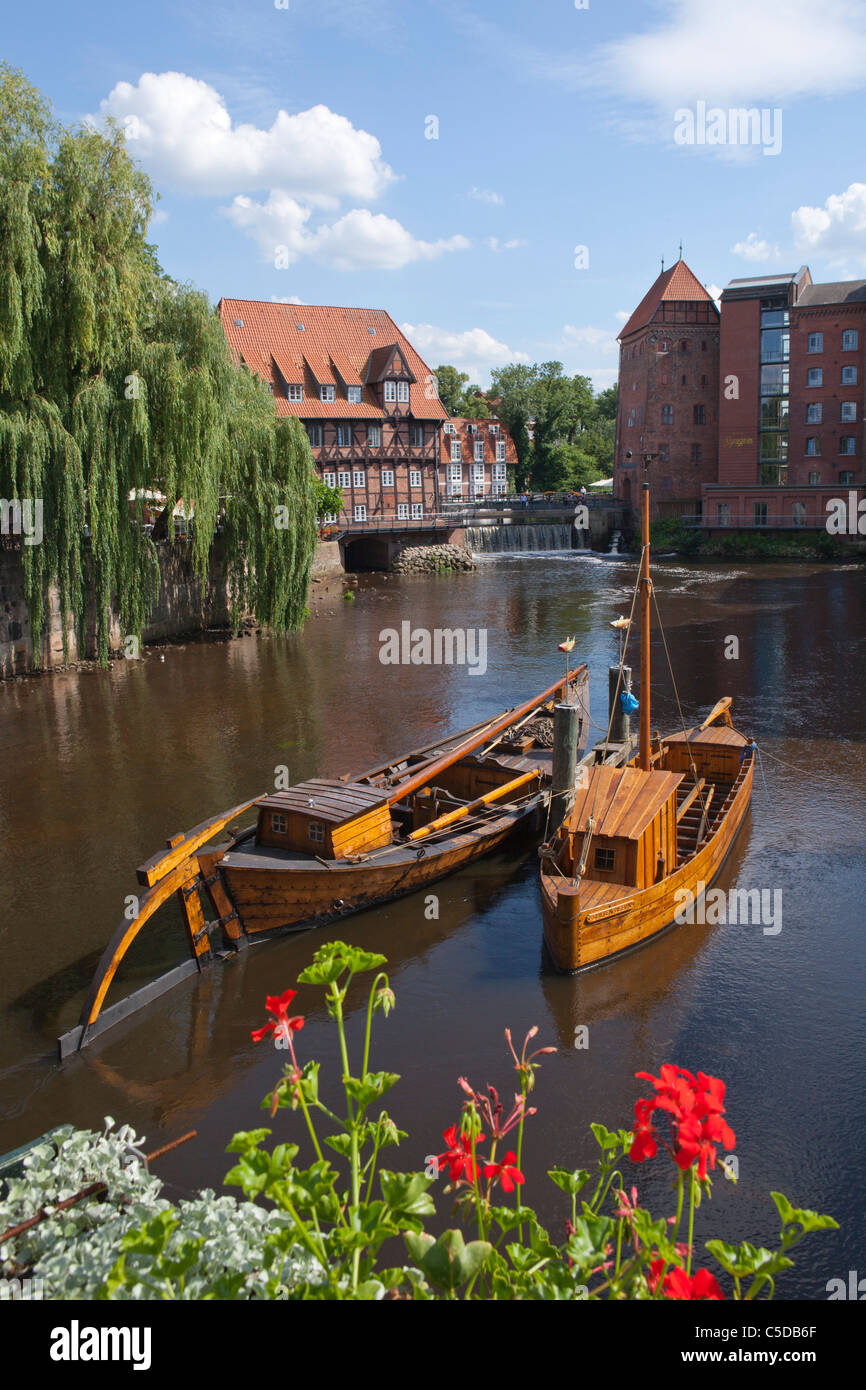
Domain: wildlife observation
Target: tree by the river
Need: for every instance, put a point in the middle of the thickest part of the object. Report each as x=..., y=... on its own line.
x=115, y=380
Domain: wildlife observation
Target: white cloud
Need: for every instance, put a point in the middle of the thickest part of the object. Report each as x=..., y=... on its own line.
x=181, y=130
x=622, y=315
x=486, y=195
x=285, y=299
x=754, y=249
x=836, y=231
x=496, y=245
x=474, y=350
x=715, y=292
x=360, y=240
x=720, y=53
x=600, y=339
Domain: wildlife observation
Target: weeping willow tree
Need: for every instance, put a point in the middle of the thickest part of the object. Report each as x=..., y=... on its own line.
x=116, y=381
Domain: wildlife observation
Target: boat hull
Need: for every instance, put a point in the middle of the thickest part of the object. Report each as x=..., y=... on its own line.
x=272, y=894
x=581, y=938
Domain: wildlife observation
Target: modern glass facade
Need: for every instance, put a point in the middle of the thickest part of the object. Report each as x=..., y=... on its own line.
x=775, y=399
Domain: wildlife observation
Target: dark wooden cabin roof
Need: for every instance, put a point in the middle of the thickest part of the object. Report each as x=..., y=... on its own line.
x=622, y=800
x=719, y=735
x=327, y=799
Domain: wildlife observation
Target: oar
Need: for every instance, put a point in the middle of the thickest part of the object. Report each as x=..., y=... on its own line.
x=720, y=707
x=451, y=816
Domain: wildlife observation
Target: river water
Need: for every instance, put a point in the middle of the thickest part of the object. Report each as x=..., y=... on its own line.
x=98, y=768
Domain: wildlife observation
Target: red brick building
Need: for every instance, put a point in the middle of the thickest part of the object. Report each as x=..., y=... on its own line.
x=477, y=457
x=791, y=400
x=366, y=399
x=668, y=393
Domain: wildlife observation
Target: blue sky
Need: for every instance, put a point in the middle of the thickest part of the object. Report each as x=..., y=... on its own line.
x=290, y=146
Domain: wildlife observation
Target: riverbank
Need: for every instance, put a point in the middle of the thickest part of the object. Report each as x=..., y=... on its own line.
x=810, y=546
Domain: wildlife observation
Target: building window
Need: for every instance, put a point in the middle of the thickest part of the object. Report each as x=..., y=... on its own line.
x=723, y=513
x=700, y=414
x=295, y=393
x=359, y=477
x=417, y=436
x=815, y=376
x=479, y=450
x=640, y=414
x=456, y=452
x=684, y=381
x=631, y=415
x=684, y=345
x=329, y=479
x=798, y=513
x=414, y=477
x=849, y=376
x=814, y=478
x=403, y=392
x=814, y=414
x=500, y=450
x=329, y=518
x=760, y=513
x=344, y=478
x=447, y=428
x=344, y=436
x=316, y=832
x=703, y=381
x=703, y=345
x=387, y=477
x=493, y=429
x=360, y=512
x=402, y=511
x=815, y=342
x=605, y=859
x=813, y=447
x=327, y=393
x=279, y=824
x=847, y=444
x=846, y=476
x=848, y=411
x=499, y=473
x=374, y=436
x=390, y=390
x=663, y=345
x=696, y=453
x=667, y=414
x=664, y=453
x=850, y=340
x=315, y=436
x=417, y=511
x=353, y=395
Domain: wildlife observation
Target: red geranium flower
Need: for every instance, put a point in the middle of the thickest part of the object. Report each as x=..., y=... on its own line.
x=695, y=1106
x=505, y=1172
x=281, y=1025
x=458, y=1155
x=645, y=1141
x=702, y=1285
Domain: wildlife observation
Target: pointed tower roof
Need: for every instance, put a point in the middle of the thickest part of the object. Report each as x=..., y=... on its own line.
x=678, y=283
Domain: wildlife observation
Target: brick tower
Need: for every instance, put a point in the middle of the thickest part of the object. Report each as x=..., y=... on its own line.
x=668, y=394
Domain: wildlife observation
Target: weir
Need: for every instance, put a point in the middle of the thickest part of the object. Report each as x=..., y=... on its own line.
x=500, y=540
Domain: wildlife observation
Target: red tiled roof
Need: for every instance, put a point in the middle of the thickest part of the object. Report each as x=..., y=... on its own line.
x=678, y=282
x=266, y=337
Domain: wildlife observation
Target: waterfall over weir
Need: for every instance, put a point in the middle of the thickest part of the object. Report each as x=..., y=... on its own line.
x=506, y=540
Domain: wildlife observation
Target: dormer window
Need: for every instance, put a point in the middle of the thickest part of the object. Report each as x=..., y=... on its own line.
x=403, y=392
x=353, y=394
x=295, y=393
x=390, y=391
x=327, y=393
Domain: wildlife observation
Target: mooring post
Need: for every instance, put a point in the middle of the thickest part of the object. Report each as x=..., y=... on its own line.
x=619, y=723
x=564, y=774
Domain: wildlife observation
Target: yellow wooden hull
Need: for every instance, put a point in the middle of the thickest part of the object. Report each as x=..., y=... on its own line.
x=588, y=924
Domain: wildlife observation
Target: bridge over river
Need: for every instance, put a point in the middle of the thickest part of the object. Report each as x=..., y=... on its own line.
x=497, y=527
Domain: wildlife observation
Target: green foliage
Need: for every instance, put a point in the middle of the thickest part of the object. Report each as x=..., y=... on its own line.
x=317, y=1232
x=459, y=397
x=115, y=380
x=329, y=500
x=573, y=431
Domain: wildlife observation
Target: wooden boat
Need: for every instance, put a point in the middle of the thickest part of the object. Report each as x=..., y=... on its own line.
x=328, y=847
x=640, y=837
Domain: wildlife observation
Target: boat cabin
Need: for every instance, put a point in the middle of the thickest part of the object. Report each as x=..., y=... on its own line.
x=716, y=753
x=326, y=818
x=634, y=814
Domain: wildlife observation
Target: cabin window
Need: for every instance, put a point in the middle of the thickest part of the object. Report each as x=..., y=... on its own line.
x=316, y=832
x=605, y=859
x=327, y=393
x=294, y=393
x=279, y=824
x=353, y=395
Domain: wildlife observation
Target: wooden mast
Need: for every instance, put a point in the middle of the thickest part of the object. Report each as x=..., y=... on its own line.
x=643, y=761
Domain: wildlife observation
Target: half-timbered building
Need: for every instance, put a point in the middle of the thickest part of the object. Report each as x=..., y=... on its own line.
x=366, y=399
x=477, y=458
